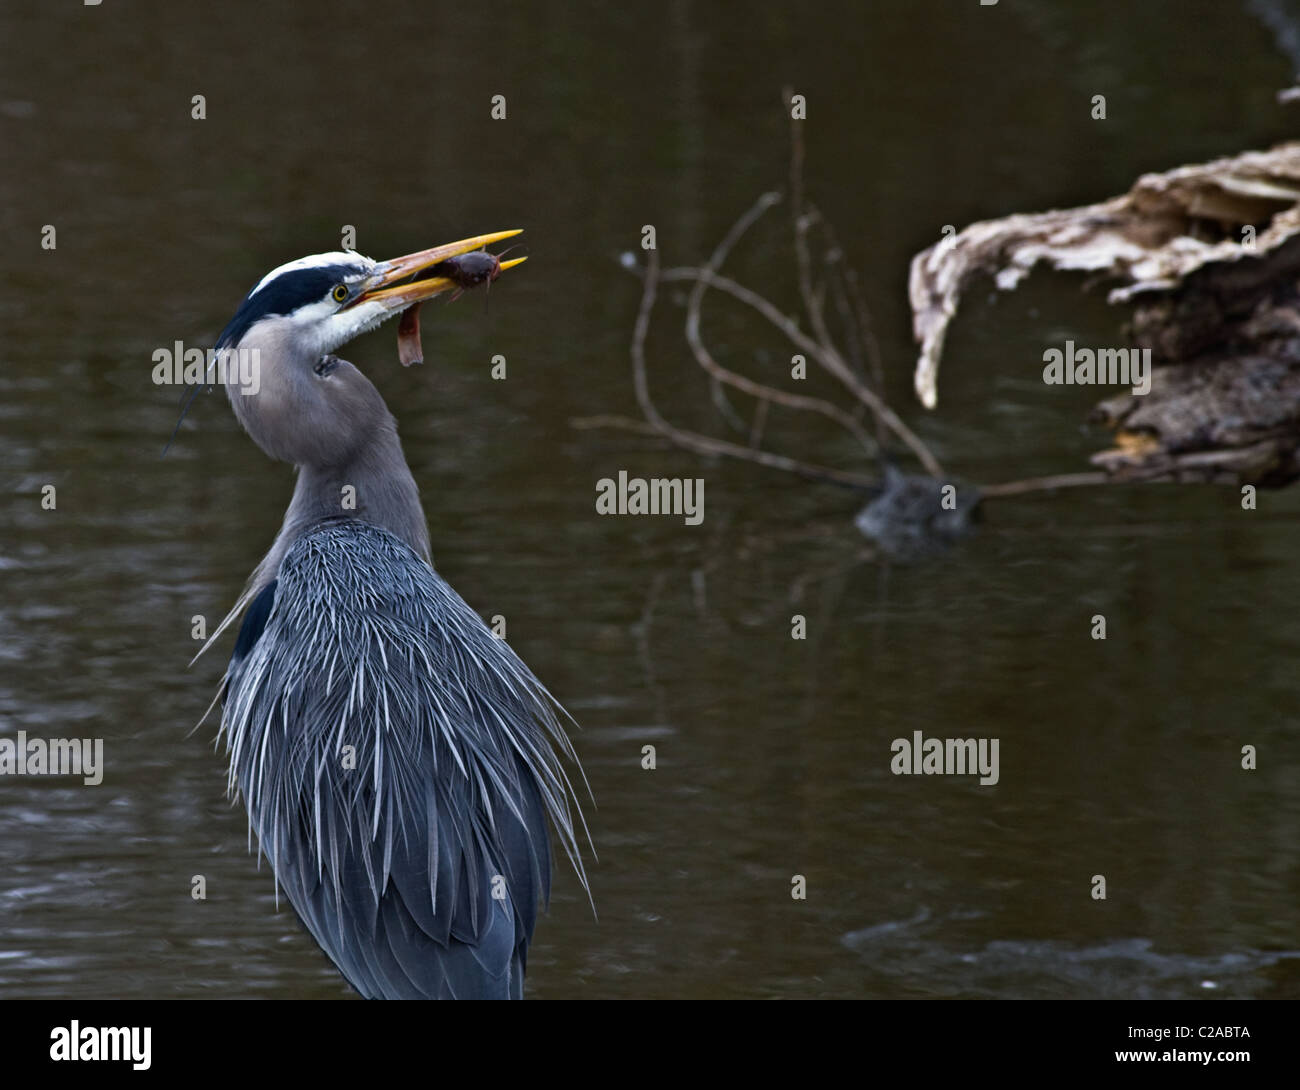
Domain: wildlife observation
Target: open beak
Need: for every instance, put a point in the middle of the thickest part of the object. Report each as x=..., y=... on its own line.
x=391, y=282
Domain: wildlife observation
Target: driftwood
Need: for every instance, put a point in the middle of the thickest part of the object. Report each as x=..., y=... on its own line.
x=1208, y=256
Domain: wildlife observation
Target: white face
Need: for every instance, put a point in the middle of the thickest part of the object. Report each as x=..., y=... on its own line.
x=322, y=326
x=325, y=326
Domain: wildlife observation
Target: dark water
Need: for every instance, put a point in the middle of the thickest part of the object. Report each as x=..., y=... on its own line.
x=1118, y=758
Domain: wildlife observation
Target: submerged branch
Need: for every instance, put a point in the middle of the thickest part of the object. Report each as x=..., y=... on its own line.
x=697, y=441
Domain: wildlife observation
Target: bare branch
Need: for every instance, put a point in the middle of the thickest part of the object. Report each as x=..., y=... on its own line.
x=802, y=221
x=1043, y=484
x=718, y=395
x=722, y=374
x=827, y=359
x=705, y=444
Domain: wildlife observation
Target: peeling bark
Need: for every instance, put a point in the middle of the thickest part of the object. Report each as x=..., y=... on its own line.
x=1220, y=314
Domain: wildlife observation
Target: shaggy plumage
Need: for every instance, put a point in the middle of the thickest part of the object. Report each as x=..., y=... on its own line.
x=396, y=760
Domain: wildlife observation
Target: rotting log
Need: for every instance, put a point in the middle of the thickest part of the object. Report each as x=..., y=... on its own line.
x=1208, y=258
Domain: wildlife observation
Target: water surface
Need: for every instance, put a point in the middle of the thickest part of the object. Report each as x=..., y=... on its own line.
x=1118, y=757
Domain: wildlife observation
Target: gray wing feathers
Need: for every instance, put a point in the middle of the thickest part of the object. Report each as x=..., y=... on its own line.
x=399, y=765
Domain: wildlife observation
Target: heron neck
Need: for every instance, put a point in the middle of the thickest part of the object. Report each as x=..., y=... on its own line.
x=376, y=486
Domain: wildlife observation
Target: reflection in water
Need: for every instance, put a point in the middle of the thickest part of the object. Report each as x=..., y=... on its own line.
x=918, y=954
x=1119, y=757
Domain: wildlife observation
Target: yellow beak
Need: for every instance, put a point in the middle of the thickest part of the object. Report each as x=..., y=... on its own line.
x=390, y=283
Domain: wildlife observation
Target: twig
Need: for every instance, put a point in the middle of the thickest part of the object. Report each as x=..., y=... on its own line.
x=1043, y=484
x=705, y=444
x=828, y=359
x=835, y=280
x=722, y=374
x=801, y=222
x=718, y=396
x=867, y=328
x=864, y=326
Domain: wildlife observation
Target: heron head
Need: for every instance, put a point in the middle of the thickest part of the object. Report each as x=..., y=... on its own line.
x=318, y=303
x=305, y=406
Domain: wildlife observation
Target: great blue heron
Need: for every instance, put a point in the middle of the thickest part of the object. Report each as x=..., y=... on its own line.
x=398, y=760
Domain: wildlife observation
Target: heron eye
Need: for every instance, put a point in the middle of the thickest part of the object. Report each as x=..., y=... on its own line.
x=340, y=293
